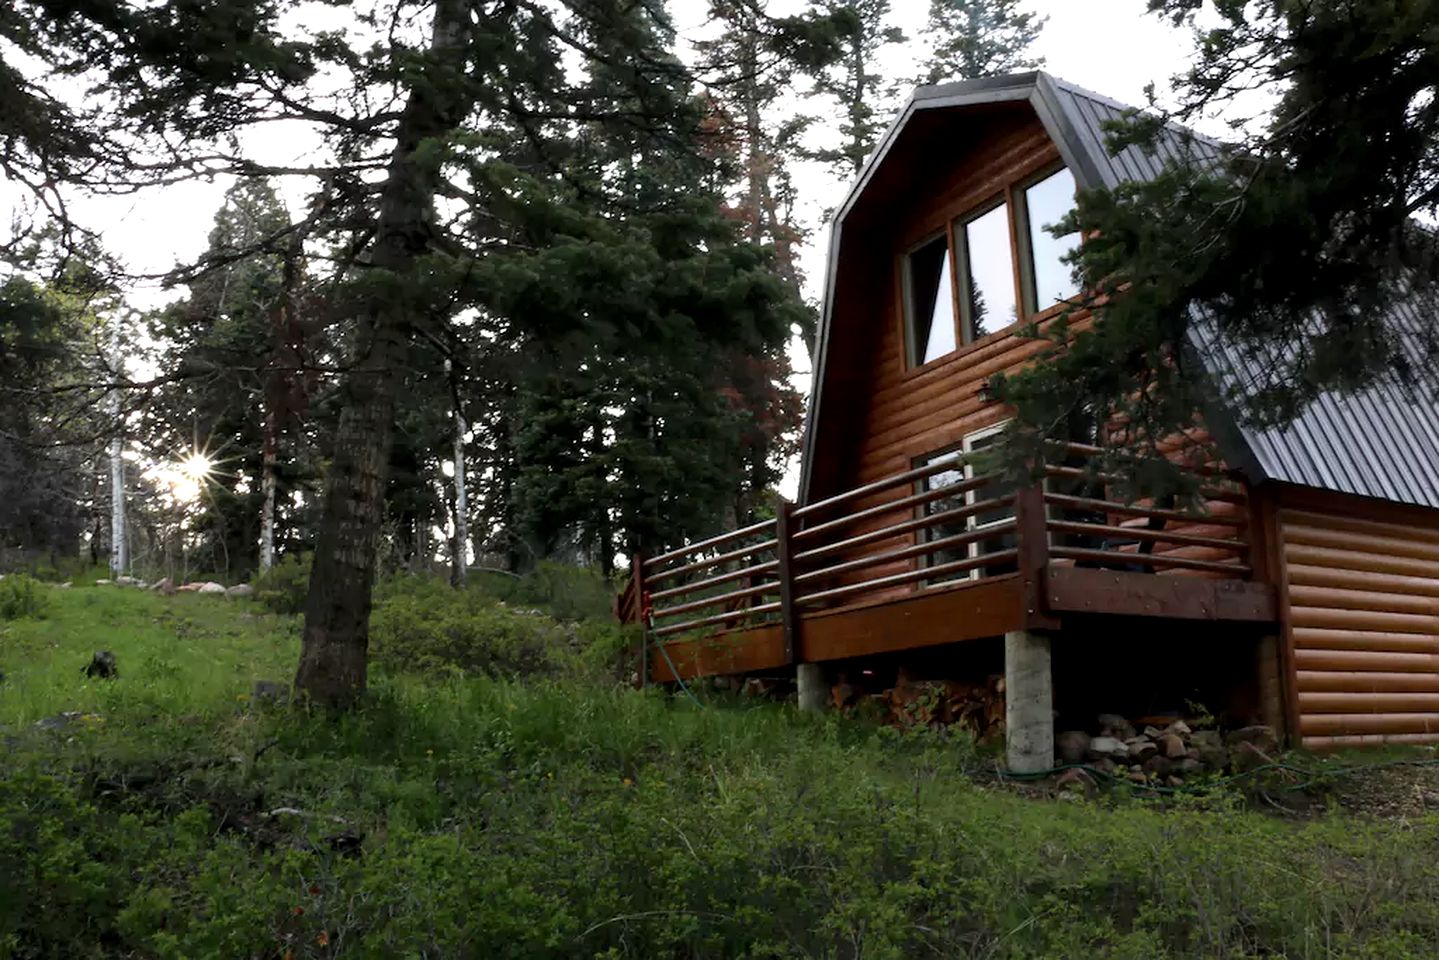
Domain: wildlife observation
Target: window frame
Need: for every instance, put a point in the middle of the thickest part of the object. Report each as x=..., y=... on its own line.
x=954, y=210
x=960, y=252
x=958, y=450
x=914, y=350
x=1028, y=283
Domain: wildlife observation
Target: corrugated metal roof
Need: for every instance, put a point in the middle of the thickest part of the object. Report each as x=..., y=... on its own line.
x=1382, y=442
x=1379, y=442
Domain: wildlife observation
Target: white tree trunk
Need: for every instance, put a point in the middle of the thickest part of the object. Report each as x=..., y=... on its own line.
x=119, y=555
x=267, y=487
x=462, y=523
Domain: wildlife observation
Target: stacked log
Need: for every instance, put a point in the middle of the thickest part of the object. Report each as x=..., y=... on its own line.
x=976, y=707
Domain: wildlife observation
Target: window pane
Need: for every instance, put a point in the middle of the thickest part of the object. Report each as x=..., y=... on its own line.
x=941, y=530
x=931, y=305
x=1047, y=202
x=991, y=272
x=992, y=488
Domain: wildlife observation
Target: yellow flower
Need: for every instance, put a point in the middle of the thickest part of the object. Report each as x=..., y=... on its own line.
x=628, y=782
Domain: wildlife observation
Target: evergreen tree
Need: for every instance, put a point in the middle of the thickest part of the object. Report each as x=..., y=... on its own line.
x=979, y=38
x=1297, y=242
x=854, y=81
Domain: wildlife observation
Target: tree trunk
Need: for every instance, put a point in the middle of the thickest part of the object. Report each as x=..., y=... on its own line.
x=335, y=647
x=267, y=488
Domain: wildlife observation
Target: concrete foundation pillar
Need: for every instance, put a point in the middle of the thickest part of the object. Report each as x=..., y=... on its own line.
x=813, y=690
x=1028, y=702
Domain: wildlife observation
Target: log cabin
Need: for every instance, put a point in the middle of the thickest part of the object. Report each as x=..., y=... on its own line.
x=1303, y=594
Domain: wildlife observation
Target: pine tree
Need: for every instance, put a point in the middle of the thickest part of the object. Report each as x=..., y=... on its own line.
x=979, y=38
x=854, y=81
x=1296, y=242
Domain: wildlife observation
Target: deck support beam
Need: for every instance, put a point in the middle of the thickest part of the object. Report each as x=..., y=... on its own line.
x=813, y=690
x=1028, y=702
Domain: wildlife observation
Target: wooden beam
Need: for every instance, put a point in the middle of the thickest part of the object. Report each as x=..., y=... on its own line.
x=741, y=651
x=1032, y=535
x=939, y=615
x=1080, y=590
x=784, y=553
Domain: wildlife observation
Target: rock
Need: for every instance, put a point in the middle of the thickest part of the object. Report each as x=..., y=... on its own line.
x=1105, y=766
x=165, y=587
x=64, y=586
x=269, y=691
x=1173, y=746
x=1075, y=779
x=104, y=583
x=1157, y=766
x=189, y=587
x=58, y=722
x=1072, y=746
x=1141, y=748
x=125, y=581
x=1209, y=745
x=240, y=591
x=1113, y=725
x=1188, y=767
x=212, y=589
x=1153, y=732
x=1247, y=756
x=102, y=666
x=1261, y=736
x=1108, y=747
x=1174, y=781
x=1179, y=728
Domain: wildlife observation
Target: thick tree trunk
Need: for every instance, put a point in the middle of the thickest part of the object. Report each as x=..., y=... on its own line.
x=334, y=653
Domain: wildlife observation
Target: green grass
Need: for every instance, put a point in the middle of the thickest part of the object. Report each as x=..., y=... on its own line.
x=463, y=816
x=177, y=656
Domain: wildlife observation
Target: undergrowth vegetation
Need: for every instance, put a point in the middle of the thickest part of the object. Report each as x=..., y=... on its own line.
x=500, y=795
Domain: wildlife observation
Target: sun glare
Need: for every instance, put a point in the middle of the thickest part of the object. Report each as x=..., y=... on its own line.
x=186, y=477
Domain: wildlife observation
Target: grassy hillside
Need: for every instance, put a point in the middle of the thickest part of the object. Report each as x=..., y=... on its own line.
x=501, y=796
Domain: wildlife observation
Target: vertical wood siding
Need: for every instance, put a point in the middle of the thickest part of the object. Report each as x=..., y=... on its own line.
x=1363, y=598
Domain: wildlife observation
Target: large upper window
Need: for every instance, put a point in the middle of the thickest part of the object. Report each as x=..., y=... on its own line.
x=964, y=283
x=1047, y=202
x=929, y=299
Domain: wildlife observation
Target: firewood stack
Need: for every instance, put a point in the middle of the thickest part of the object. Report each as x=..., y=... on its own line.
x=975, y=707
x=1164, y=749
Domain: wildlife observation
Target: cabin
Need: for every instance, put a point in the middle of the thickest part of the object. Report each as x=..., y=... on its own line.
x=1302, y=594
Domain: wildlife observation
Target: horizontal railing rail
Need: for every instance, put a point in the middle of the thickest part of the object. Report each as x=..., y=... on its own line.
x=905, y=532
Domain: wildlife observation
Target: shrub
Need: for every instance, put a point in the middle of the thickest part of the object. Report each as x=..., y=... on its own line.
x=21, y=596
x=284, y=587
x=423, y=624
x=564, y=592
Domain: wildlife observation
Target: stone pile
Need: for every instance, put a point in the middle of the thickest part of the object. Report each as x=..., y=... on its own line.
x=1165, y=750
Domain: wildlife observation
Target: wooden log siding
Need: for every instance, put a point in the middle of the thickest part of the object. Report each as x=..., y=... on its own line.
x=1363, y=621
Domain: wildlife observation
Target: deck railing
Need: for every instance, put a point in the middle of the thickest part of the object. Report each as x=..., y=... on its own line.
x=902, y=534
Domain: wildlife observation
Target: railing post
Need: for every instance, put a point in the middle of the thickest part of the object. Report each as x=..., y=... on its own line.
x=642, y=613
x=1031, y=528
x=784, y=553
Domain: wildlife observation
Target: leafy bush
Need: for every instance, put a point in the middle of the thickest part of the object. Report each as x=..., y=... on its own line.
x=21, y=596
x=284, y=587
x=425, y=625
x=564, y=592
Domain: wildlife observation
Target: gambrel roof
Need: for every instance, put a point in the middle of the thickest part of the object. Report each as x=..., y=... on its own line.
x=1382, y=442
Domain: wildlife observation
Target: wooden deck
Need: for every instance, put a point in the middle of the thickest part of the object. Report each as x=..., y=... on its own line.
x=903, y=564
